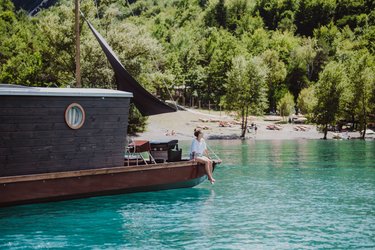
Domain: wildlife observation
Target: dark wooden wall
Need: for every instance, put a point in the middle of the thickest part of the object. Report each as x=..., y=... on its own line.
x=34, y=137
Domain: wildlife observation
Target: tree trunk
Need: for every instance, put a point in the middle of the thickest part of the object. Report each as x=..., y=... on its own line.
x=353, y=121
x=244, y=129
x=364, y=117
x=243, y=118
x=325, y=131
x=246, y=115
x=243, y=132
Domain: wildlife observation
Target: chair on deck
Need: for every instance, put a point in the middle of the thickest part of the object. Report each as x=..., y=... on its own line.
x=135, y=149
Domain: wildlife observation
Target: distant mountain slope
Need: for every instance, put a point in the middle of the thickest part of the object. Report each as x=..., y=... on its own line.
x=33, y=6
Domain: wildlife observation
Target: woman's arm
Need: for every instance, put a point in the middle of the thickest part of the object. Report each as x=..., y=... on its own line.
x=205, y=151
x=193, y=150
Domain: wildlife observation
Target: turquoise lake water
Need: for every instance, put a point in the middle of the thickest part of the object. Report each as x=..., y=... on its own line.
x=268, y=195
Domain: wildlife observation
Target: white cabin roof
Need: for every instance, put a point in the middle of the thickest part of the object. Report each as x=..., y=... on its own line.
x=14, y=90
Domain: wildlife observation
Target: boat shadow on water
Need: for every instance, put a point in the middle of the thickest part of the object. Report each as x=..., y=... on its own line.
x=111, y=203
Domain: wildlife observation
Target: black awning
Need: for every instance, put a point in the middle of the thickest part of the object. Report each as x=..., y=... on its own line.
x=145, y=102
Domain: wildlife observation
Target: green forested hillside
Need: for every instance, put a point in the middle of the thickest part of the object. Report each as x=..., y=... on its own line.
x=251, y=56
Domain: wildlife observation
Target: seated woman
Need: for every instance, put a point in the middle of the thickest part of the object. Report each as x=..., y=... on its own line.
x=199, y=152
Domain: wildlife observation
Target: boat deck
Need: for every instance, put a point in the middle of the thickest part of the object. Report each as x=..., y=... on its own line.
x=89, y=172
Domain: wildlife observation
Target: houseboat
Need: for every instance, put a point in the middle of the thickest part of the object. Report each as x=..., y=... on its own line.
x=58, y=144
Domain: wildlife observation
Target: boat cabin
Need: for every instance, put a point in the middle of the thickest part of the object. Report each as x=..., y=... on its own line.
x=44, y=130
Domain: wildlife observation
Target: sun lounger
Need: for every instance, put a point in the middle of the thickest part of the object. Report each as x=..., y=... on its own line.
x=301, y=128
x=274, y=127
x=224, y=124
x=203, y=120
x=203, y=127
x=214, y=120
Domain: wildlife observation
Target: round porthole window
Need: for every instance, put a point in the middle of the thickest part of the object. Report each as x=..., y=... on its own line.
x=74, y=116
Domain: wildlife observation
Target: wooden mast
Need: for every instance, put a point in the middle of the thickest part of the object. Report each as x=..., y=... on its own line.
x=78, y=50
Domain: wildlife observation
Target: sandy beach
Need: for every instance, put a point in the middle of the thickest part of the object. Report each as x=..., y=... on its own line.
x=180, y=125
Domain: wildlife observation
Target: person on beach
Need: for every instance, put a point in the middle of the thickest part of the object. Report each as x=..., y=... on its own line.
x=199, y=153
x=250, y=128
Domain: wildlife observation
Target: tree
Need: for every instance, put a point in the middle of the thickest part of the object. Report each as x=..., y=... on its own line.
x=306, y=102
x=326, y=46
x=237, y=11
x=184, y=61
x=202, y=3
x=351, y=12
x=286, y=105
x=275, y=77
x=312, y=14
x=221, y=13
x=301, y=66
x=216, y=16
x=361, y=73
x=220, y=48
x=284, y=43
x=236, y=98
x=277, y=14
x=304, y=56
x=21, y=48
x=329, y=90
x=246, y=88
x=256, y=42
x=136, y=122
x=287, y=21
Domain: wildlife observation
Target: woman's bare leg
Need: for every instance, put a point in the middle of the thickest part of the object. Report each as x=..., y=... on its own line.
x=212, y=170
x=208, y=167
x=209, y=172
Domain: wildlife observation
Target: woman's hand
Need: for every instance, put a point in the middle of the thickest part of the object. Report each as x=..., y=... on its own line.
x=193, y=156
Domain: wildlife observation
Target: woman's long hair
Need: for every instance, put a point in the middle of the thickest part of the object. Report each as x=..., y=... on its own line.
x=197, y=131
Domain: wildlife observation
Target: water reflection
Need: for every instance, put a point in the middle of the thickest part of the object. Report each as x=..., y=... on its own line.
x=142, y=216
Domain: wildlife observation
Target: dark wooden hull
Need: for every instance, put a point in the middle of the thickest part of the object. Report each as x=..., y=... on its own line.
x=36, y=188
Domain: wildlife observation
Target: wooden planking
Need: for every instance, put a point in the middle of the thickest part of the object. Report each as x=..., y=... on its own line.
x=60, y=162
x=90, y=172
x=65, y=158
x=53, y=111
x=52, y=166
x=51, y=151
x=96, y=124
x=62, y=133
x=32, y=132
x=38, y=142
x=13, y=119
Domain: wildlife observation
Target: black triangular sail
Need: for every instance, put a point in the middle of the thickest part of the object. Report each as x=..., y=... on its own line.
x=145, y=102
